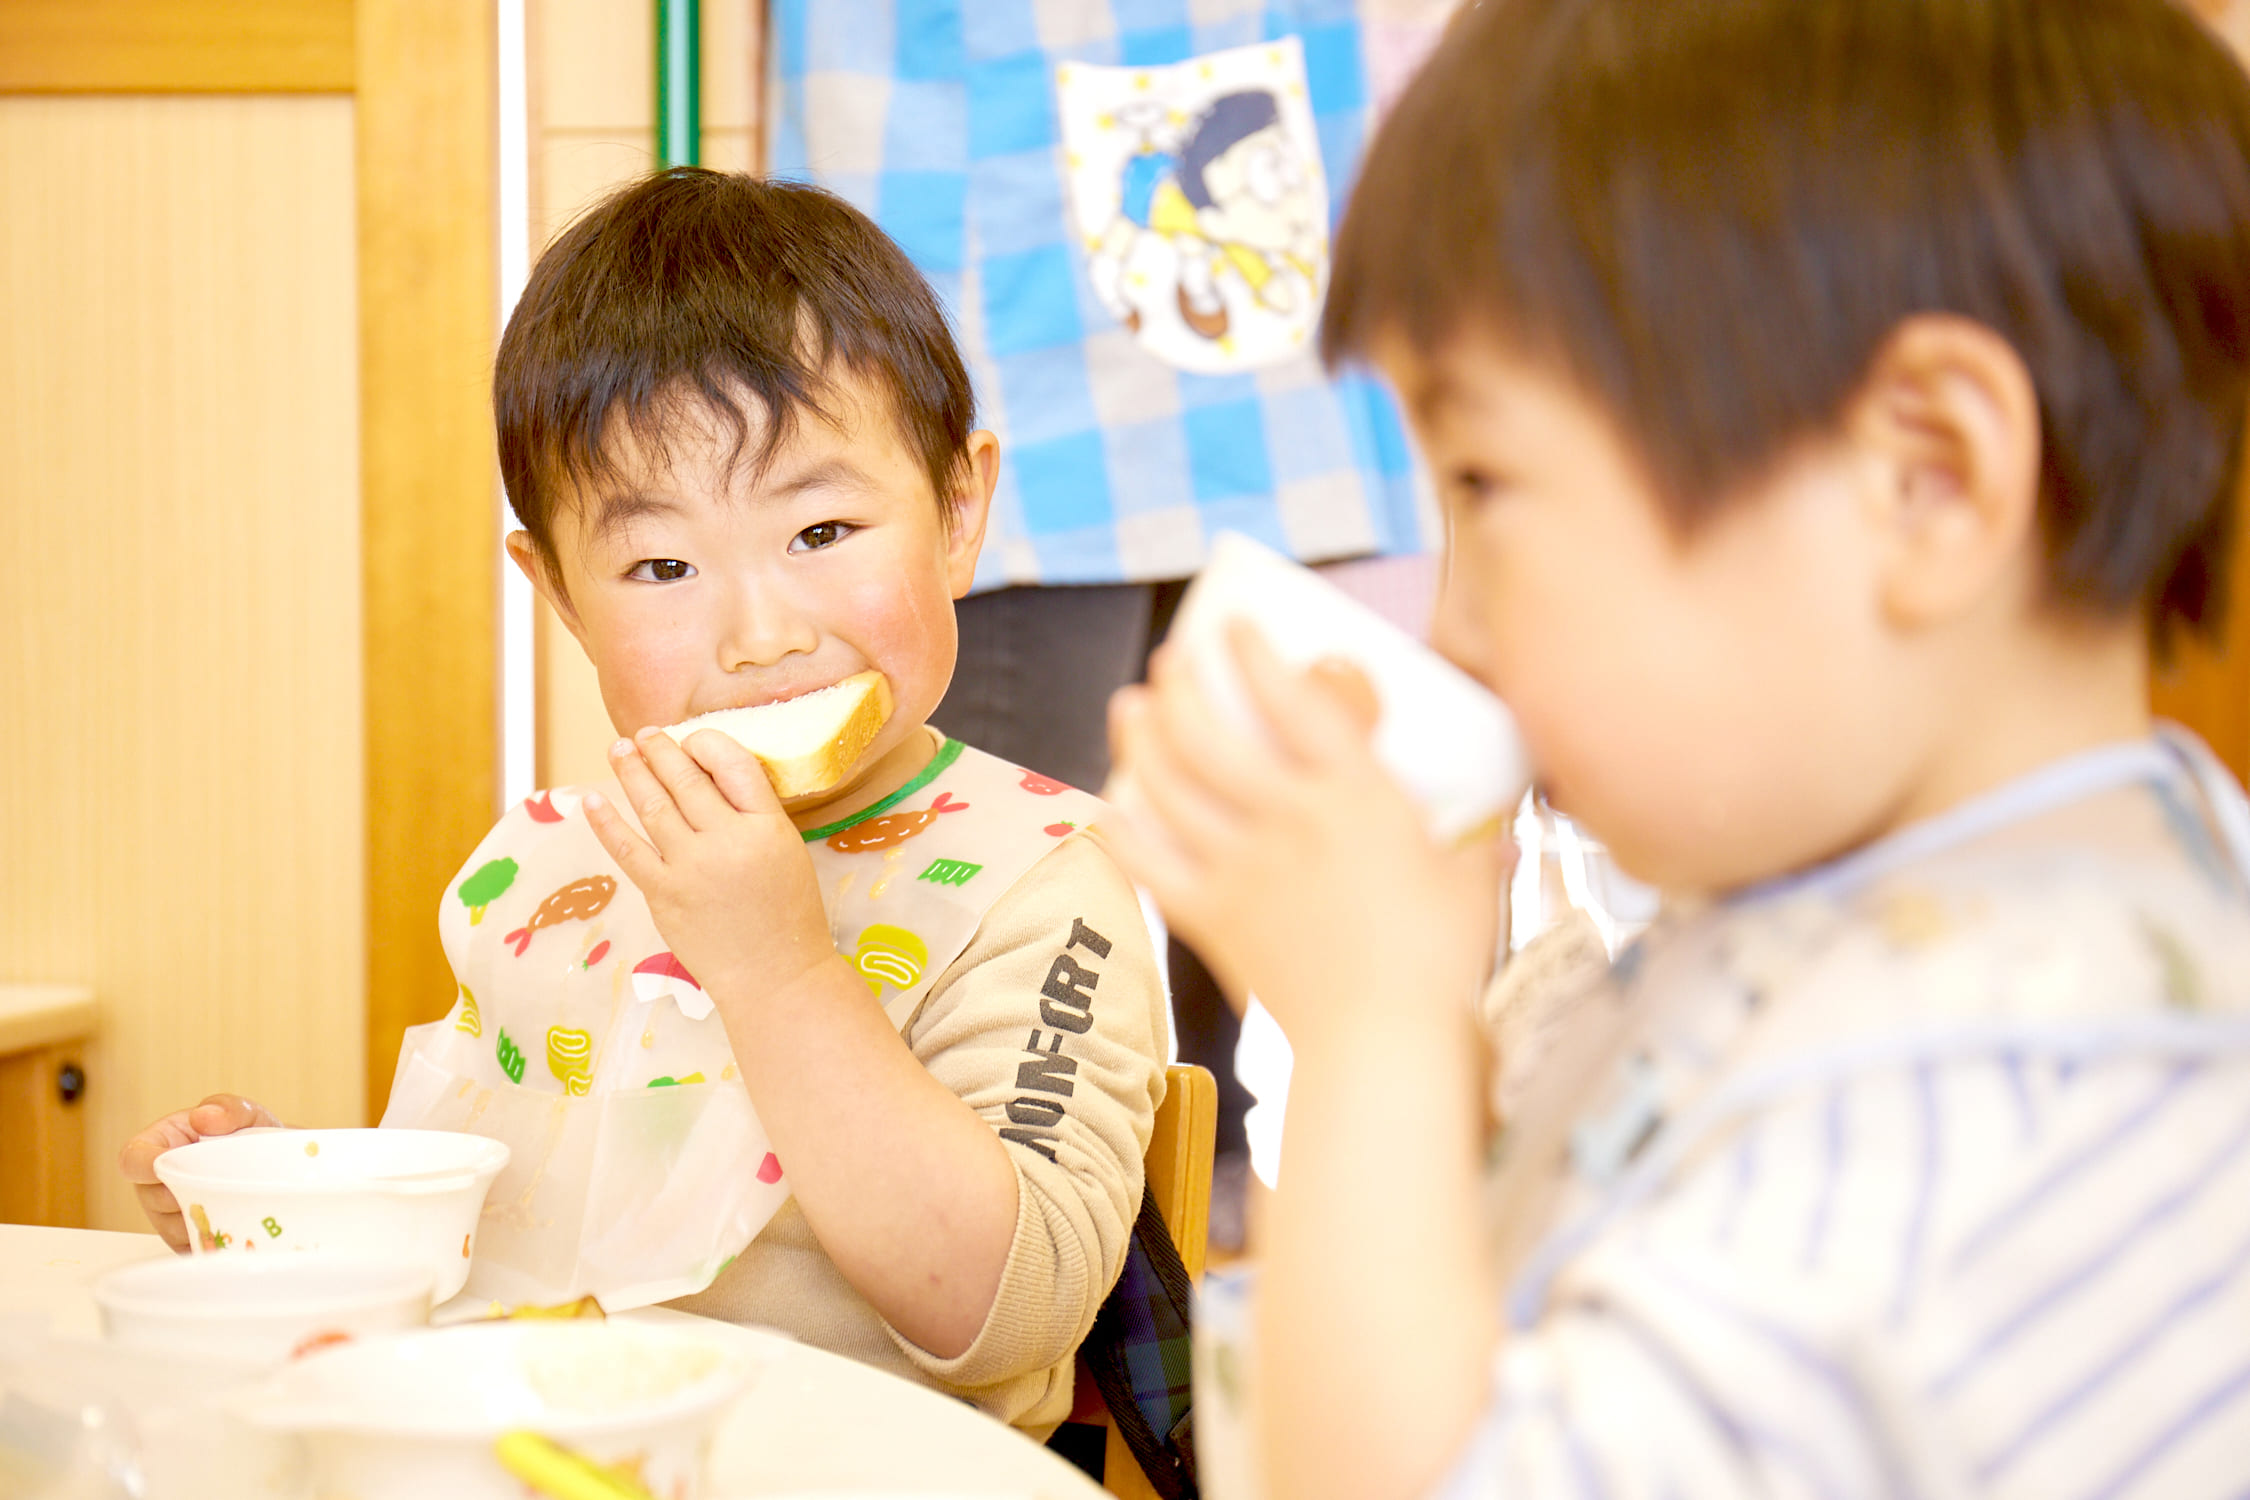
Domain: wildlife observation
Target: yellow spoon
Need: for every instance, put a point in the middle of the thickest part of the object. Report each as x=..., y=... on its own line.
x=555, y=1471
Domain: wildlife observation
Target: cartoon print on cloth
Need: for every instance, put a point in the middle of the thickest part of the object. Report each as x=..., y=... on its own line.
x=613, y=1187
x=1203, y=206
x=570, y=1057
x=509, y=1056
x=906, y=891
x=578, y=901
x=887, y=953
x=488, y=885
x=661, y=976
x=892, y=828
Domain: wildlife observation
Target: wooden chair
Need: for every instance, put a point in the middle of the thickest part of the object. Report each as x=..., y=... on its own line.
x=1179, y=1178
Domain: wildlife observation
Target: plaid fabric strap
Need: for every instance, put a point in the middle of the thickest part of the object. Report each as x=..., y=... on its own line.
x=1138, y=1353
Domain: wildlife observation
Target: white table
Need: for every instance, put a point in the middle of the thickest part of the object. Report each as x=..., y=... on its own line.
x=814, y=1422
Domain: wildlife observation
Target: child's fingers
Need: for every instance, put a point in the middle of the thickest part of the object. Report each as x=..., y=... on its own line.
x=1348, y=685
x=224, y=1114
x=1314, y=714
x=1166, y=779
x=641, y=863
x=219, y=1114
x=162, y=1211
x=1237, y=766
x=138, y=1160
x=734, y=771
x=660, y=816
x=693, y=791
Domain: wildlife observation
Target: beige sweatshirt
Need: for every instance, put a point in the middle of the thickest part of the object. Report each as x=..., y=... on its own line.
x=1078, y=1182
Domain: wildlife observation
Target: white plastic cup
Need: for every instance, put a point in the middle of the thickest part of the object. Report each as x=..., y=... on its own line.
x=1450, y=743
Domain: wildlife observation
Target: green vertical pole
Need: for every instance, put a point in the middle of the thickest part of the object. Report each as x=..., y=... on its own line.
x=679, y=83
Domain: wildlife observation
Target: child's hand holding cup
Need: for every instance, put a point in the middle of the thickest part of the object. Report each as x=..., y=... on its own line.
x=1447, y=740
x=220, y=1114
x=1305, y=783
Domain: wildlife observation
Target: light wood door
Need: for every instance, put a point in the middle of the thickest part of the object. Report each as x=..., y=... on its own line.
x=180, y=808
x=248, y=504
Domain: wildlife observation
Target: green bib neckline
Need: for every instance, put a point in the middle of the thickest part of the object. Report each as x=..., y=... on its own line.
x=947, y=754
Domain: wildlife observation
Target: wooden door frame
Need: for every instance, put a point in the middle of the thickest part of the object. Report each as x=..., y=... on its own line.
x=423, y=77
x=429, y=529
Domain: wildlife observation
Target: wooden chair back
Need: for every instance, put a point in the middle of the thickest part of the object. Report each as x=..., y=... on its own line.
x=1178, y=1165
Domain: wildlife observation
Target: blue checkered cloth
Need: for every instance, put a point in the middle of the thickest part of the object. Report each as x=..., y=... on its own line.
x=938, y=118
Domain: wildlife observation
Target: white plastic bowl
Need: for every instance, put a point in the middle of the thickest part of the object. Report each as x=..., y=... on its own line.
x=416, y=1415
x=397, y=1194
x=260, y=1308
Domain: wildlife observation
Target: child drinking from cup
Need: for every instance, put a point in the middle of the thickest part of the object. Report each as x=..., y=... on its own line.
x=1836, y=407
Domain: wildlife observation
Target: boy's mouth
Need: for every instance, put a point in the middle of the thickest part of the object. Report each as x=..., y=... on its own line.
x=771, y=696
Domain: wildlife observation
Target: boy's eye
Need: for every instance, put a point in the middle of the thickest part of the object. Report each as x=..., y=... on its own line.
x=819, y=535
x=661, y=570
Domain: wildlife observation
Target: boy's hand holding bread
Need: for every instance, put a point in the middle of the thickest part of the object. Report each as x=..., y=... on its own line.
x=725, y=871
x=731, y=887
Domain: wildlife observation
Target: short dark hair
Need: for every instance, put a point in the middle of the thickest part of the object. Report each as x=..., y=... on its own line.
x=1231, y=120
x=1710, y=214
x=714, y=287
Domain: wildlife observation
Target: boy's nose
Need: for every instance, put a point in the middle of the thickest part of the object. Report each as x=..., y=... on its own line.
x=763, y=626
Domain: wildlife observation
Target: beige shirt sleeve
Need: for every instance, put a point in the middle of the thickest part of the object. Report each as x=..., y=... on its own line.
x=1052, y=1026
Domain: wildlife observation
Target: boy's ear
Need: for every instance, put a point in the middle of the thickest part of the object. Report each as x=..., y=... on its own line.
x=1950, y=419
x=524, y=553
x=972, y=510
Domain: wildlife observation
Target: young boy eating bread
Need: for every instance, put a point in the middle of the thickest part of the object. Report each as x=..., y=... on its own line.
x=738, y=436
x=1836, y=402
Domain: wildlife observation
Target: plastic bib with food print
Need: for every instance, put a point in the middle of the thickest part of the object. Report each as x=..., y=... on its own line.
x=639, y=1166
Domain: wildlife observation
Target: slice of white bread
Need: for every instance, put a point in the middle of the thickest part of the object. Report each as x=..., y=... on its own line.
x=806, y=744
